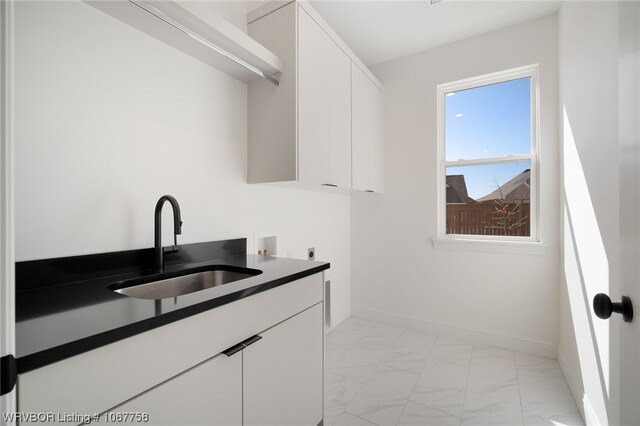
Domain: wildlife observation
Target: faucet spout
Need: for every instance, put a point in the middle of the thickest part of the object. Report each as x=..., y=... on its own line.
x=177, y=229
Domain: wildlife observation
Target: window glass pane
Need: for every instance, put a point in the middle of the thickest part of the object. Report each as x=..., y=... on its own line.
x=491, y=199
x=488, y=121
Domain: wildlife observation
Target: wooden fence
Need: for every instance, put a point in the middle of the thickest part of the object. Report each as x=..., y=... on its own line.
x=511, y=219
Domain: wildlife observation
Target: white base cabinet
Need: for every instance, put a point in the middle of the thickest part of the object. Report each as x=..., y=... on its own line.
x=275, y=381
x=177, y=373
x=208, y=394
x=282, y=380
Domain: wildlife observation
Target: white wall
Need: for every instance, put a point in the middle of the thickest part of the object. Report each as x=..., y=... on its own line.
x=507, y=299
x=109, y=119
x=598, y=75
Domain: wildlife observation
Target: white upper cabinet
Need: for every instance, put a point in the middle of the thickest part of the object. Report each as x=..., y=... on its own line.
x=367, y=133
x=302, y=130
x=324, y=104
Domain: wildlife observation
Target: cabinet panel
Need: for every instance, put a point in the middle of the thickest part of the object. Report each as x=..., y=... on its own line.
x=208, y=394
x=377, y=157
x=283, y=373
x=367, y=132
x=271, y=109
x=324, y=105
x=362, y=112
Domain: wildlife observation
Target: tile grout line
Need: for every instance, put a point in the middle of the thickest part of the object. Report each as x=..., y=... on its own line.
x=466, y=389
x=435, y=409
x=380, y=365
x=347, y=378
x=519, y=389
x=405, y=407
x=416, y=383
x=363, y=384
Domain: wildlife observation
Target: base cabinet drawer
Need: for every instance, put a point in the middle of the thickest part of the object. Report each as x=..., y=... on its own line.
x=207, y=394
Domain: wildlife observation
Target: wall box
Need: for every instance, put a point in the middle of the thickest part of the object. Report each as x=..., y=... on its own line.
x=268, y=243
x=323, y=124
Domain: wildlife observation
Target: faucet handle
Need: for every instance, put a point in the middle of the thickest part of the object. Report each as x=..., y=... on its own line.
x=170, y=250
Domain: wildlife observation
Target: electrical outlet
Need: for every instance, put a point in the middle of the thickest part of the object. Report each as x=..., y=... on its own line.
x=311, y=253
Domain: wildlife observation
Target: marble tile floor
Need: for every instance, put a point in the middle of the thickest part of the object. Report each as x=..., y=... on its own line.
x=380, y=374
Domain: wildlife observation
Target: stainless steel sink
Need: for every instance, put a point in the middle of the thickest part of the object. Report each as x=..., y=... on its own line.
x=177, y=284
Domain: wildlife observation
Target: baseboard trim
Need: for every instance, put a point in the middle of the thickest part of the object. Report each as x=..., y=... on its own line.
x=487, y=337
x=575, y=386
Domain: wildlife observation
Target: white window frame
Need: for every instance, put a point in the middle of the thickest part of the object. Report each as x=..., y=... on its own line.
x=445, y=240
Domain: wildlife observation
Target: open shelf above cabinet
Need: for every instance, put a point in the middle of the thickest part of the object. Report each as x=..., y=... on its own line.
x=193, y=28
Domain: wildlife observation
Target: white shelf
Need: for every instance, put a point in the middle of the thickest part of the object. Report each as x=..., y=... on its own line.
x=199, y=33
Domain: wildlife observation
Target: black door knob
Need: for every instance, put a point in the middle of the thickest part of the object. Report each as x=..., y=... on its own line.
x=603, y=307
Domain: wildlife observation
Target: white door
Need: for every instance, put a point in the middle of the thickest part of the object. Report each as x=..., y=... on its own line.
x=7, y=323
x=629, y=136
x=599, y=100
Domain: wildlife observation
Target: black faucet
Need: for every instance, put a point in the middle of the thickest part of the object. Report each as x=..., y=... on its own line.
x=177, y=229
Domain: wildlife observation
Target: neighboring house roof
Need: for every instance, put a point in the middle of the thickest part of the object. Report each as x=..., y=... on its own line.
x=457, y=190
x=518, y=188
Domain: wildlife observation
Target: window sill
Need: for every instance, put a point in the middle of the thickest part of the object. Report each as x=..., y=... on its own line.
x=487, y=246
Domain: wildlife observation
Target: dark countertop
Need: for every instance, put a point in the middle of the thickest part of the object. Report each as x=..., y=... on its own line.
x=59, y=321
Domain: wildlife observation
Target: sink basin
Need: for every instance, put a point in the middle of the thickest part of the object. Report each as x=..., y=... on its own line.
x=175, y=284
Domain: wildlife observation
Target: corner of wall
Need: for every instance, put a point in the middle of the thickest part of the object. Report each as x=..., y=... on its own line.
x=575, y=385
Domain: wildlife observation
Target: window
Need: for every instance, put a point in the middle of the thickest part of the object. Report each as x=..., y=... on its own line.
x=487, y=157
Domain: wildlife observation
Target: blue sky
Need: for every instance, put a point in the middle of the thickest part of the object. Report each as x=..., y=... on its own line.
x=488, y=121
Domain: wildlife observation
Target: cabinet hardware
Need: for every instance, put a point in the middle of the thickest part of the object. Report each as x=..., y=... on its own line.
x=240, y=346
x=369, y=190
x=251, y=340
x=234, y=349
x=9, y=369
x=330, y=184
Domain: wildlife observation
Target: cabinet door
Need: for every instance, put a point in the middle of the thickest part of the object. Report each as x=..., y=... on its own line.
x=208, y=394
x=324, y=107
x=367, y=131
x=283, y=373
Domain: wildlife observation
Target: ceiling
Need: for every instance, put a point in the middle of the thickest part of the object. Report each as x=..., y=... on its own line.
x=382, y=30
x=379, y=31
